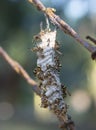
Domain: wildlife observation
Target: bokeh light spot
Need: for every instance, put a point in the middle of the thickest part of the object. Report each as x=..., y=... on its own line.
x=76, y=9
x=80, y=101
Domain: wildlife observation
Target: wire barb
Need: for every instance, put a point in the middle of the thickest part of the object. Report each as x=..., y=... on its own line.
x=47, y=22
x=91, y=39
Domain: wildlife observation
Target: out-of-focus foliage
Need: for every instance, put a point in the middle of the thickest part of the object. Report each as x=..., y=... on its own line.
x=19, y=22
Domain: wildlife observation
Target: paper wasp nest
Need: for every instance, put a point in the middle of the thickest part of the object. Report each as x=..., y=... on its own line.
x=47, y=72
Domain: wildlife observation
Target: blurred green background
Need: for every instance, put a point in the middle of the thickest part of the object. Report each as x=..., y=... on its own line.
x=19, y=106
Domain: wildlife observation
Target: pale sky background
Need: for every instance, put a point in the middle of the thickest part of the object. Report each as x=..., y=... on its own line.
x=76, y=8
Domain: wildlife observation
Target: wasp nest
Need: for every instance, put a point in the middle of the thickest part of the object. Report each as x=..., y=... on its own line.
x=47, y=72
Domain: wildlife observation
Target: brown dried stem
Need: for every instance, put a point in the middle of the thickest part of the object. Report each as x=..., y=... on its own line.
x=91, y=39
x=56, y=20
x=19, y=69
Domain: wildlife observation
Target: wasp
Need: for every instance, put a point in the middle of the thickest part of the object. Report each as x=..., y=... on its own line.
x=44, y=102
x=37, y=49
x=64, y=91
x=56, y=45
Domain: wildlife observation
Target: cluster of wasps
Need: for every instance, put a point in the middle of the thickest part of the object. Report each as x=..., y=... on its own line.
x=49, y=82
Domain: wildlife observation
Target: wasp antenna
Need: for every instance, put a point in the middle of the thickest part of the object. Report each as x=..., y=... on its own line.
x=33, y=40
x=30, y=49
